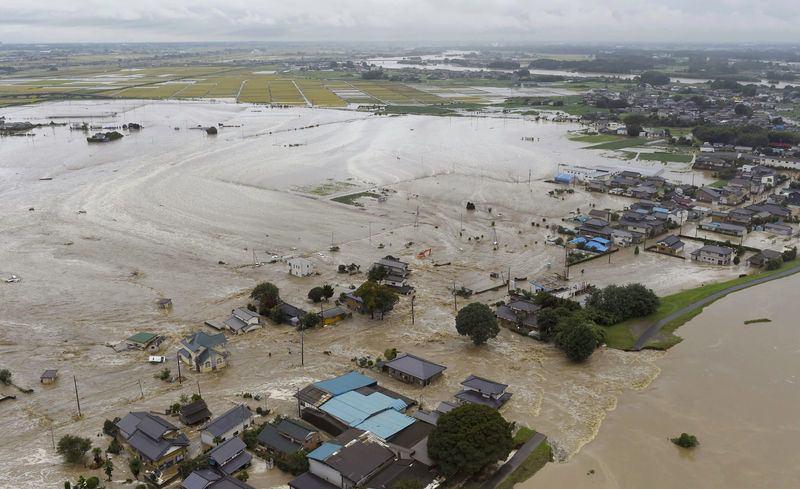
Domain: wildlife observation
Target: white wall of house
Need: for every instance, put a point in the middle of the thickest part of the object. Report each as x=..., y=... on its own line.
x=324, y=472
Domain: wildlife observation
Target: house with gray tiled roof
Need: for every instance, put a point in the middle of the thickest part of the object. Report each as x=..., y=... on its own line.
x=229, y=425
x=204, y=352
x=157, y=442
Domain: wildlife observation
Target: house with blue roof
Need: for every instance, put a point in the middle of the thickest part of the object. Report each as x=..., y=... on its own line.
x=352, y=400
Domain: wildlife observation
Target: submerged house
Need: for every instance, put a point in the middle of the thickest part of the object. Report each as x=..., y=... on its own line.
x=212, y=479
x=288, y=436
x=157, y=442
x=519, y=315
x=204, y=352
x=243, y=320
x=716, y=255
x=671, y=244
x=412, y=369
x=195, y=412
x=354, y=400
x=230, y=456
x=477, y=390
x=229, y=425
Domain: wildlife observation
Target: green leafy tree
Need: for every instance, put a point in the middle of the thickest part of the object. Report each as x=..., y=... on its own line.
x=136, y=466
x=316, y=294
x=624, y=302
x=189, y=465
x=267, y=295
x=108, y=468
x=110, y=427
x=327, y=291
x=243, y=476
x=468, y=438
x=310, y=320
x=377, y=297
x=790, y=254
x=477, y=321
x=73, y=448
x=114, y=447
x=377, y=273
x=295, y=463
x=390, y=353
x=5, y=376
x=577, y=341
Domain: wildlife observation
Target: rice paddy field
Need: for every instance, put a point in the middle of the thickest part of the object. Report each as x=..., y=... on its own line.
x=246, y=85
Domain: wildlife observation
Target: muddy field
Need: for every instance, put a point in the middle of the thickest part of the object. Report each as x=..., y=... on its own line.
x=153, y=215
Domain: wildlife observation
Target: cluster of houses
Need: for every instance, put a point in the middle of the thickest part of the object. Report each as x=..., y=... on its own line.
x=377, y=440
x=687, y=106
x=354, y=432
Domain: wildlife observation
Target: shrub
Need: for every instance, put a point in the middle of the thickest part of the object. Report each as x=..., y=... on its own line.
x=685, y=440
x=73, y=448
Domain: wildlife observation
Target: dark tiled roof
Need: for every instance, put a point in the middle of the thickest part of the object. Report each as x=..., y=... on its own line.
x=297, y=430
x=415, y=366
x=412, y=435
x=195, y=412
x=399, y=471
x=271, y=438
x=484, y=386
x=308, y=480
x=475, y=398
x=228, y=420
x=211, y=479
x=357, y=461
x=230, y=456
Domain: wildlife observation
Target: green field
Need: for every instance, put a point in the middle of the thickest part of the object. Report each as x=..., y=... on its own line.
x=666, y=157
x=621, y=336
x=535, y=461
x=596, y=138
x=626, y=142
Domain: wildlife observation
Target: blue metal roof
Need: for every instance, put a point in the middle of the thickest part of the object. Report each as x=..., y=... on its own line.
x=564, y=177
x=578, y=240
x=386, y=424
x=324, y=451
x=593, y=245
x=602, y=241
x=354, y=408
x=345, y=383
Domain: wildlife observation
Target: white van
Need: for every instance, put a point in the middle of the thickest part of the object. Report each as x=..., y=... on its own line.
x=157, y=359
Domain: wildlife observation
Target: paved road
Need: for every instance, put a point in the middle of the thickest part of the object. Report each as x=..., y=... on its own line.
x=498, y=477
x=655, y=328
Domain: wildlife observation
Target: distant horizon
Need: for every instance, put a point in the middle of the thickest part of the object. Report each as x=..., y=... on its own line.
x=505, y=22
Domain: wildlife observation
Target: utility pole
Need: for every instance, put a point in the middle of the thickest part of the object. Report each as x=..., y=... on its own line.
x=413, y=296
x=52, y=436
x=298, y=404
x=140, y=388
x=198, y=389
x=77, y=398
x=178, y=357
x=455, y=300
x=302, y=345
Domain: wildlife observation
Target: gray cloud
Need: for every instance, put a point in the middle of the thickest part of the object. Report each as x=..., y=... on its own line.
x=422, y=20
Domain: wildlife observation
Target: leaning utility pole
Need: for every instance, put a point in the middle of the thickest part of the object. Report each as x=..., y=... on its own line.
x=77, y=398
x=178, y=357
x=140, y=388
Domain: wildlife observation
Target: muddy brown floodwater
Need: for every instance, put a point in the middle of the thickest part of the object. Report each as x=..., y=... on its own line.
x=734, y=386
x=114, y=227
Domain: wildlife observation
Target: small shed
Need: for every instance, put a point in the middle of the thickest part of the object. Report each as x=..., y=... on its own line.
x=49, y=377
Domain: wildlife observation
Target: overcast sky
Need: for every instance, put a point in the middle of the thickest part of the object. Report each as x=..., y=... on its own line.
x=400, y=20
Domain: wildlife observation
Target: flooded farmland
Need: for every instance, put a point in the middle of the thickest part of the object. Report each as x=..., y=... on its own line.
x=99, y=232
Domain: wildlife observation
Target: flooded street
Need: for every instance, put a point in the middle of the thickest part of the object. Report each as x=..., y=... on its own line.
x=179, y=214
x=734, y=386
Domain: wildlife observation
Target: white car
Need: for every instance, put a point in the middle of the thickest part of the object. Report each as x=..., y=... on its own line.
x=157, y=359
